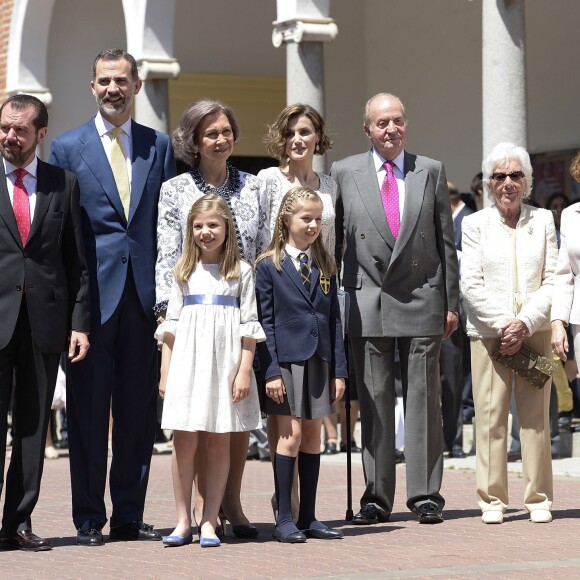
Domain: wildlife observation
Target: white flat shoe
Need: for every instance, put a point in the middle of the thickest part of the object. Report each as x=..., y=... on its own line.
x=541, y=516
x=492, y=517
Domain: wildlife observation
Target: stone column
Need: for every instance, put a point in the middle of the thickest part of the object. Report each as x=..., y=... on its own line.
x=504, y=74
x=304, y=25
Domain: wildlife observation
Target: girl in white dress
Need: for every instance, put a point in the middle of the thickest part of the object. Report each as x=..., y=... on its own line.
x=209, y=337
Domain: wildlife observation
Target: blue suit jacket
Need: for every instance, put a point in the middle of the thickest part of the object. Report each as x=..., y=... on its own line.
x=112, y=242
x=297, y=325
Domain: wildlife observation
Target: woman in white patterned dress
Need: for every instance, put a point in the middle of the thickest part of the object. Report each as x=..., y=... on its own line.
x=205, y=139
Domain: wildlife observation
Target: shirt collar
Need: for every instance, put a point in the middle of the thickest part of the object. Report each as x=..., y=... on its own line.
x=398, y=161
x=30, y=168
x=104, y=127
x=295, y=252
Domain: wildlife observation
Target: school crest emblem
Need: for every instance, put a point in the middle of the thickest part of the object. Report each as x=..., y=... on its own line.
x=325, y=284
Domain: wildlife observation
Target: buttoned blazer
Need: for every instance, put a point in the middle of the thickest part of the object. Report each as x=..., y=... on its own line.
x=111, y=240
x=51, y=268
x=297, y=324
x=566, y=297
x=402, y=287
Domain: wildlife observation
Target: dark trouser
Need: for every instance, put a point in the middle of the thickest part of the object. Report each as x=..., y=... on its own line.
x=374, y=363
x=35, y=378
x=451, y=362
x=120, y=370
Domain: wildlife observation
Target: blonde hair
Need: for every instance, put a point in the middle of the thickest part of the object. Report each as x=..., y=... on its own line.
x=229, y=255
x=291, y=203
x=575, y=167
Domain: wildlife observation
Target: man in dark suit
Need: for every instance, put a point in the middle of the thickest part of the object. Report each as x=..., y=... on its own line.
x=455, y=352
x=395, y=239
x=44, y=298
x=120, y=166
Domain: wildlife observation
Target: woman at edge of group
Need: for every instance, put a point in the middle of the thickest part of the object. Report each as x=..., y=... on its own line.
x=204, y=139
x=295, y=137
x=507, y=272
x=566, y=297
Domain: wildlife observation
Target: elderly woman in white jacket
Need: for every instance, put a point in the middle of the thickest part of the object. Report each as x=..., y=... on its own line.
x=509, y=257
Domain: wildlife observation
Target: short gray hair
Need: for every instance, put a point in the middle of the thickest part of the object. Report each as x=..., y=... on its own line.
x=367, y=111
x=502, y=154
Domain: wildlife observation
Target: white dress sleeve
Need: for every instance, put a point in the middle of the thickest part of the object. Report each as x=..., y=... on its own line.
x=249, y=324
x=174, y=308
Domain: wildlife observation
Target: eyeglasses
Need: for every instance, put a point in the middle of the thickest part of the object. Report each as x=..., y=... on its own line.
x=514, y=176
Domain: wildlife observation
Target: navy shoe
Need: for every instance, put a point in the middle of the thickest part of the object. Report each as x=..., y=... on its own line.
x=325, y=533
x=209, y=542
x=176, y=540
x=291, y=538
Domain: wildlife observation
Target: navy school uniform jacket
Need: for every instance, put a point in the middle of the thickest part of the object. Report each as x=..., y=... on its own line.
x=298, y=325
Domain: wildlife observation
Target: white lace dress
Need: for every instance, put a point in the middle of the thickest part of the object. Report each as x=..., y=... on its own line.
x=207, y=352
x=276, y=186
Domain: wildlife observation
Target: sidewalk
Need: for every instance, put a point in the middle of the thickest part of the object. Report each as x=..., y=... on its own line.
x=401, y=548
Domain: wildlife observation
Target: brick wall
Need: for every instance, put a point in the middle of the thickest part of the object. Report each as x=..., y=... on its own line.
x=5, y=17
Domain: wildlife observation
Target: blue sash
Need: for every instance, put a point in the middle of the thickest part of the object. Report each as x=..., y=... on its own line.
x=218, y=299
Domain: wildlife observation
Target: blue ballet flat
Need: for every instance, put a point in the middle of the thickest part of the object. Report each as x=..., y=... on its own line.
x=209, y=542
x=175, y=541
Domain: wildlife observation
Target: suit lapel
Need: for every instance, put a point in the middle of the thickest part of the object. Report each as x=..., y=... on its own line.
x=93, y=154
x=43, y=196
x=143, y=156
x=415, y=180
x=365, y=179
x=290, y=269
x=6, y=209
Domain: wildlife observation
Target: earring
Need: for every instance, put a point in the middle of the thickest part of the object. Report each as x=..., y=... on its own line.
x=317, y=147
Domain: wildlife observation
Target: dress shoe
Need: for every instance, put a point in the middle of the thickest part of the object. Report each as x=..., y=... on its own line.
x=541, y=516
x=565, y=421
x=399, y=456
x=25, y=541
x=492, y=517
x=175, y=540
x=514, y=456
x=90, y=537
x=429, y=513
x=330, y=449
x=368, y=515
x=245, y=531
x=209, y=542
x=354, y=448
x=323, y=534
x=457, y=453
x=291, y=538
x=133, y=531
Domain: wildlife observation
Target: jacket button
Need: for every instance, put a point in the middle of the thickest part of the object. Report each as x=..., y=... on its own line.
x=25, y=254
x=124, y=259
x=362, y=236
x=19, y=288
x=414, y=263
x=312, y=312
x=422, y=234
x=314, y=333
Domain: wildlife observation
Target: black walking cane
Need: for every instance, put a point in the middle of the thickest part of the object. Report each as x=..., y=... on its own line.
x=349, y=513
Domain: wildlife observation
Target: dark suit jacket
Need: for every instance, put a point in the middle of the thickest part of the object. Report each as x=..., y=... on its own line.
x=465, y=211
x=402, y=288
x=112, y=241
x=297, y=325
x=52, y=264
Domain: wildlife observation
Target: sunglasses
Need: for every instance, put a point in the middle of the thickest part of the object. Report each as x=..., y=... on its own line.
x=514, y=176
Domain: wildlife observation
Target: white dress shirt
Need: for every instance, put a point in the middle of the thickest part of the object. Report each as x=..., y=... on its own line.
x=294, y=253
x=105, y=130
x=399, y=171
x=29, y=182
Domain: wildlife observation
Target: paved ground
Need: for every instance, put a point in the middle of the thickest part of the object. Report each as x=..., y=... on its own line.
x=460, y=547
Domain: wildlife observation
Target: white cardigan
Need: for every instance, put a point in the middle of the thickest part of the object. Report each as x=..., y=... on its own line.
x=566, y=298
x=487, y=275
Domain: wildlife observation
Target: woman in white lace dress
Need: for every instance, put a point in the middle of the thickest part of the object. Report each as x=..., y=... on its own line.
x=205, y=139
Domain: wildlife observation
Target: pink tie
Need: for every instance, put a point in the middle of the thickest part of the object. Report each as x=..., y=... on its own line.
x=21, y=205
x=390, y=198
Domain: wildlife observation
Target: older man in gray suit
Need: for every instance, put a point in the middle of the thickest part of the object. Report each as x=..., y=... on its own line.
x=395, y=240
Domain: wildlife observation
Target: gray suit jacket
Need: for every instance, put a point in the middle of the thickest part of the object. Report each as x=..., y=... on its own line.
x=402, y=287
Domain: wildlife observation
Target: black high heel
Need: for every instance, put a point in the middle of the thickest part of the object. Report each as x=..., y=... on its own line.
x=245, y=531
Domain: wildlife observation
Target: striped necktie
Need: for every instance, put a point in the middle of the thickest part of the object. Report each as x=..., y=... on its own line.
x=304, y=270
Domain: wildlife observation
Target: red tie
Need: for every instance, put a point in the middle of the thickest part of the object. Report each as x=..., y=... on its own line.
x=21, y=205
x=390, y=198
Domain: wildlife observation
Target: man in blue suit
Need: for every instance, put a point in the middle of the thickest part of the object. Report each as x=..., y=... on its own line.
x=120, y=166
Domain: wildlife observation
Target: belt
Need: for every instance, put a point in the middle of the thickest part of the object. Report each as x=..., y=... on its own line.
x=217, y=299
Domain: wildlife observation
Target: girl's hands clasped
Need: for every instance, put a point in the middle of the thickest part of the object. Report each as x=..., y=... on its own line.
x=275, y=389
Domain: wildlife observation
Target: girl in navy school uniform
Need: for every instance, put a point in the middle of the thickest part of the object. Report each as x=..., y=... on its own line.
x=209, y=336
x=303, y=356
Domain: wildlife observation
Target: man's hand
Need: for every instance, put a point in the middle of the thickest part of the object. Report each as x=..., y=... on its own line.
x=451, y=320
x=78, y=345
